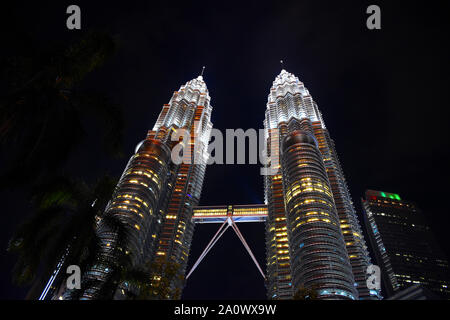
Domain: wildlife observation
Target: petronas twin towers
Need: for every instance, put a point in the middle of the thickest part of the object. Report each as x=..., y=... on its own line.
x=313, y=237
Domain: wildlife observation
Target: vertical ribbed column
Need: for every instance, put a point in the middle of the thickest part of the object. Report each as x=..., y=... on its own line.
x=134, y=211
x=149, y=215
x=354, y=241
x=189, y=110
x=278, y=268
x=290, y=107
x=319, y=259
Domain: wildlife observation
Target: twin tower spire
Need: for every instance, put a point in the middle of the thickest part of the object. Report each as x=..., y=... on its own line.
x=203, y=69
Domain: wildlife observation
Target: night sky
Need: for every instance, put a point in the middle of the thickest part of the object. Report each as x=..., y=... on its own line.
x=383, y=95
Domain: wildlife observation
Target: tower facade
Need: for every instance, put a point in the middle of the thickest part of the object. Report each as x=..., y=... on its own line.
x=403, y=245
x=189, y=109
x=154, y=197
x=313, y=237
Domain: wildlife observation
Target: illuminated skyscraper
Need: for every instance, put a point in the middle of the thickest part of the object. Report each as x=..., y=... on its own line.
x=404, y=246
x=154, y=197
x=313, y=236
x=188, y=109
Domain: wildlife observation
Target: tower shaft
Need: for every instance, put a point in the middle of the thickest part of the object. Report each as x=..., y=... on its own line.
x=319, y=225
x=149, y=216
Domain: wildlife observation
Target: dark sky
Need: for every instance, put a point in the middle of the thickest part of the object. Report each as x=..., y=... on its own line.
x=383, y=96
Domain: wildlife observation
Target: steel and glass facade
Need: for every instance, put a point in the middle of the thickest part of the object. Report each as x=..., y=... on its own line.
x=189, y=109
x=134, y=204
x=313, y=236
x=403, y=245
x=155, y=195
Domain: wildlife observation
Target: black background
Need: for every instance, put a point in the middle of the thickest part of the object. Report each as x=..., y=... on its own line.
x=383, y=95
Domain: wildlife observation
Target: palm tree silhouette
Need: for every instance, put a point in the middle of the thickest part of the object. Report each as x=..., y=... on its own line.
x=41, y=114
x=64, y=216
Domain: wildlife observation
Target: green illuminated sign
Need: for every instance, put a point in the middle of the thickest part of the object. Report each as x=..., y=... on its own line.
x=390, y=196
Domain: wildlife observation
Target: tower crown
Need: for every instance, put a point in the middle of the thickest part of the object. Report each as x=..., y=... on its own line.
x=286, y=82
x=288, y=98
x=191, y=101
x=195, y=85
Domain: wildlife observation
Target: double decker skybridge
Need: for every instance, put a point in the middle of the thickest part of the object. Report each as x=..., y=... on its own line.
x=228, y=216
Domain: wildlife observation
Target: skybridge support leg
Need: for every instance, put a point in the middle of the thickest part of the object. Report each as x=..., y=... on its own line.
x=229, y=222
x=241, y=237
x=211, y=243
